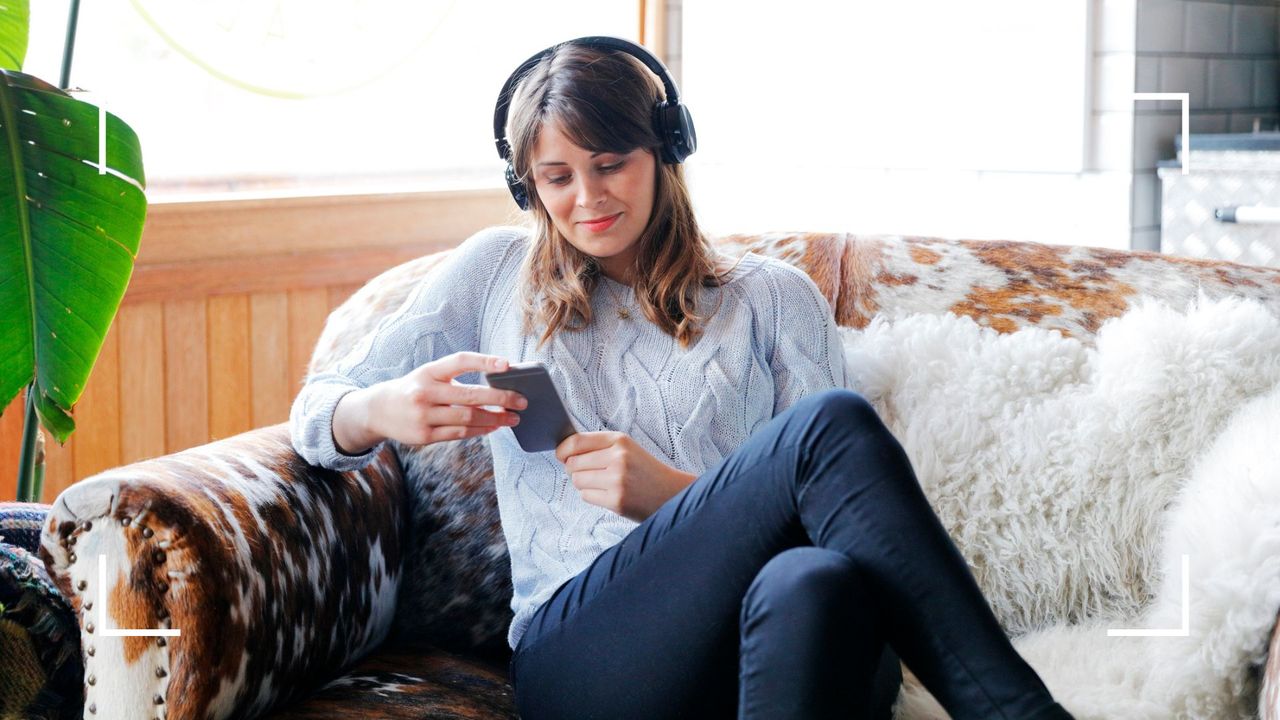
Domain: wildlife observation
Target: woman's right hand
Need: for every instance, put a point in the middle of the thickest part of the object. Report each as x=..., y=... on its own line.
x=426, y=406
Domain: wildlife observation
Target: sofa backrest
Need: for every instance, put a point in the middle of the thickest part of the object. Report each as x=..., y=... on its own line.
x=457, y=584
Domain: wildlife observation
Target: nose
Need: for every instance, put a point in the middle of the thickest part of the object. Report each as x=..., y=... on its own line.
x=591, y=192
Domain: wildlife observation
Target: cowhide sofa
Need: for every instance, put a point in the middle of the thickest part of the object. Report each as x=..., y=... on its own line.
x=305, y=593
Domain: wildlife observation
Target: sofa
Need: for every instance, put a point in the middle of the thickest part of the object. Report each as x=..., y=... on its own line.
x=300, y=592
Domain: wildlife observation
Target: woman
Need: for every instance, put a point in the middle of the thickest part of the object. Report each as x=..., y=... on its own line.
x=735, y=534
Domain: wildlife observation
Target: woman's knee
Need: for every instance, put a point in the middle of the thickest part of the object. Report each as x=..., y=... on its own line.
x=842, y=404
x=806, y=579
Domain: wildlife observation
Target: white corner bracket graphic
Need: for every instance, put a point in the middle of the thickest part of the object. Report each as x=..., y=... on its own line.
x=102, y=612
x=1183, y=631
x=1185, y=98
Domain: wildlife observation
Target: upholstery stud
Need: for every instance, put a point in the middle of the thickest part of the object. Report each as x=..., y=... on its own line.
x=158, y=556
x=90, y=650
x=124, y=521
x=87, y=526
x=158, y=700
x=147, y=532
x=82, y=585
x=93, y=708
x=160, y=641
x=92, y=679
x=160, y=672
x=164, y=586
x=73, y=557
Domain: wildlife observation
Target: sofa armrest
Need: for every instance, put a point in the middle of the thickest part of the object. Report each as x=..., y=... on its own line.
x=277, y=574
x=1269, y=701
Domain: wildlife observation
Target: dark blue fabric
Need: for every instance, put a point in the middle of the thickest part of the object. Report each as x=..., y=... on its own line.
x=707, y=609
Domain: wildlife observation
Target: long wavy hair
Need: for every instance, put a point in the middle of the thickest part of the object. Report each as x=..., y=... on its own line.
x=603, y=102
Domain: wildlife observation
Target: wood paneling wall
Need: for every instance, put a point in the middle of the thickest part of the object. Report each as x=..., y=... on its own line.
x=225, y=305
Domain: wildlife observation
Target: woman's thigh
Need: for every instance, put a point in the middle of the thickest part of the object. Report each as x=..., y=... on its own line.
x=651, y=628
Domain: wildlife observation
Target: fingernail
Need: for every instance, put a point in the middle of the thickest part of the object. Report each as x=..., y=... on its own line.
x=521, y=403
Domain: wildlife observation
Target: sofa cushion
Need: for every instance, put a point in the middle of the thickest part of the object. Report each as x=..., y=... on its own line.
x=403, y=681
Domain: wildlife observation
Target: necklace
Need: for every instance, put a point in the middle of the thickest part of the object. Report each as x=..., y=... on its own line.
x=623, y=313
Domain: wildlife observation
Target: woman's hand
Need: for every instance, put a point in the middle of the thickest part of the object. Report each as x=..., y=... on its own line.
x=426, y=406
x=611, y=470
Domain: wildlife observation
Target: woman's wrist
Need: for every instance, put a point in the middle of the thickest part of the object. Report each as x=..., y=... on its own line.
x=353, y=433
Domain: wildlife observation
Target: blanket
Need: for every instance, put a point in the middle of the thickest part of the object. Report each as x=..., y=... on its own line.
x=1075, y=477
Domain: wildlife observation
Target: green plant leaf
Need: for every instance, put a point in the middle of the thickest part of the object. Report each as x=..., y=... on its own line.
x=15, y=21
x=68, y=239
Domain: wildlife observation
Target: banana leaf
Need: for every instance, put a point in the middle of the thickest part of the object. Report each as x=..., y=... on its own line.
x=68, y=239
x=15, y=17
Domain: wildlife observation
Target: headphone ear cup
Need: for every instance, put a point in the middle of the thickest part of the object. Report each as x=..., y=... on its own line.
x=516, y=187
x=675, y=127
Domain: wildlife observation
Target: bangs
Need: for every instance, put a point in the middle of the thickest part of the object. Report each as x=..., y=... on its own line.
x=592, y=126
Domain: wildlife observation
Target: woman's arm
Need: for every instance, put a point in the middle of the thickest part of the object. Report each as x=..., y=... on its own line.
x=440, y=317
x=808, y=352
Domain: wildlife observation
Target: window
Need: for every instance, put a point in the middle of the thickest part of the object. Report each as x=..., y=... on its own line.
x=242, y=94
x=925, y=116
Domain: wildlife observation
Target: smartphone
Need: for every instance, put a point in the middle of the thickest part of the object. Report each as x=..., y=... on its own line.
x=545, y=422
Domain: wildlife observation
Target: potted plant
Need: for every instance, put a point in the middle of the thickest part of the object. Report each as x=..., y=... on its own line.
x=72, y=208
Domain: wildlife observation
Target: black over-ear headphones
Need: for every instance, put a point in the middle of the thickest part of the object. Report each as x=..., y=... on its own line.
x=671, y=119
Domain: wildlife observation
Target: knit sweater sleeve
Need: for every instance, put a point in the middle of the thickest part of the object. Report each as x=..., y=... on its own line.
x=807, y=354
x=441, y=316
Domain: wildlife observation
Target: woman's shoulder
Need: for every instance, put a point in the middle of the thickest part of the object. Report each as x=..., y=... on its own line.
x=496, y=237
x=765, y=275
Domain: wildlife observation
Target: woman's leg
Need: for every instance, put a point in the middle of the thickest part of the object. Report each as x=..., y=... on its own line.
x=812, y=642
x=651, y=627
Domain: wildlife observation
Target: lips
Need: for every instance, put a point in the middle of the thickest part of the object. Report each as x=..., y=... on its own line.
x=600, y=224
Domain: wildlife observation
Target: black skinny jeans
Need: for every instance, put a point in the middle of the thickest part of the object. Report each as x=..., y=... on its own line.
x=769, y=588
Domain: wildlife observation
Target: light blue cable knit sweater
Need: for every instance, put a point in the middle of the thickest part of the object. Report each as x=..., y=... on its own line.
x=772, y=341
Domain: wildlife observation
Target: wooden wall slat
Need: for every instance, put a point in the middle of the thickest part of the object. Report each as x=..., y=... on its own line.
x=230, y=407
x=59, y=466
x=97, y=413
x=271, y=381
x=142, y=381
x=308, y=309
x=186, y=374
x=11, y=446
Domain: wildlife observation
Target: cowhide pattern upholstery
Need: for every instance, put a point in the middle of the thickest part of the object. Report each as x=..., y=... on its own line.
x=449, y=569
x=277, y=575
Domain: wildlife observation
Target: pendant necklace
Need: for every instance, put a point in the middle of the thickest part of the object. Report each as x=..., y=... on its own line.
x=623, y=313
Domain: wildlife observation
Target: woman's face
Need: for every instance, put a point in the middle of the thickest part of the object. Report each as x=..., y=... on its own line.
x=578, y=186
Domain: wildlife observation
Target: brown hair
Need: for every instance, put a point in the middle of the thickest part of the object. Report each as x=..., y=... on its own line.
x=603, y=102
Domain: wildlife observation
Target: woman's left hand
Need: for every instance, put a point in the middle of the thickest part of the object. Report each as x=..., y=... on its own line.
x=611, y=470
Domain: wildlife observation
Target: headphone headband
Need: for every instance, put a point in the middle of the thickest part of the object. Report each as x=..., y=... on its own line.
x=671, y=118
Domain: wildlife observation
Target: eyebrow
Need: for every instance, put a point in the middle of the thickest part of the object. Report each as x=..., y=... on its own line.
x=558, y=162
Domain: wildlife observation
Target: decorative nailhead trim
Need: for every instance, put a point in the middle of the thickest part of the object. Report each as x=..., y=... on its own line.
x=93, y=679
x=89, y=627
x=93, y=708
x=73, y=557
x=158, y=700
x=87, y=526
x=160, y=641
x=82, y=585
x=124, y=520
x=163, y=586
x=160, y=672
x=158, y=556
x=88, y=604
x=146, y=532
x=90, y=650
